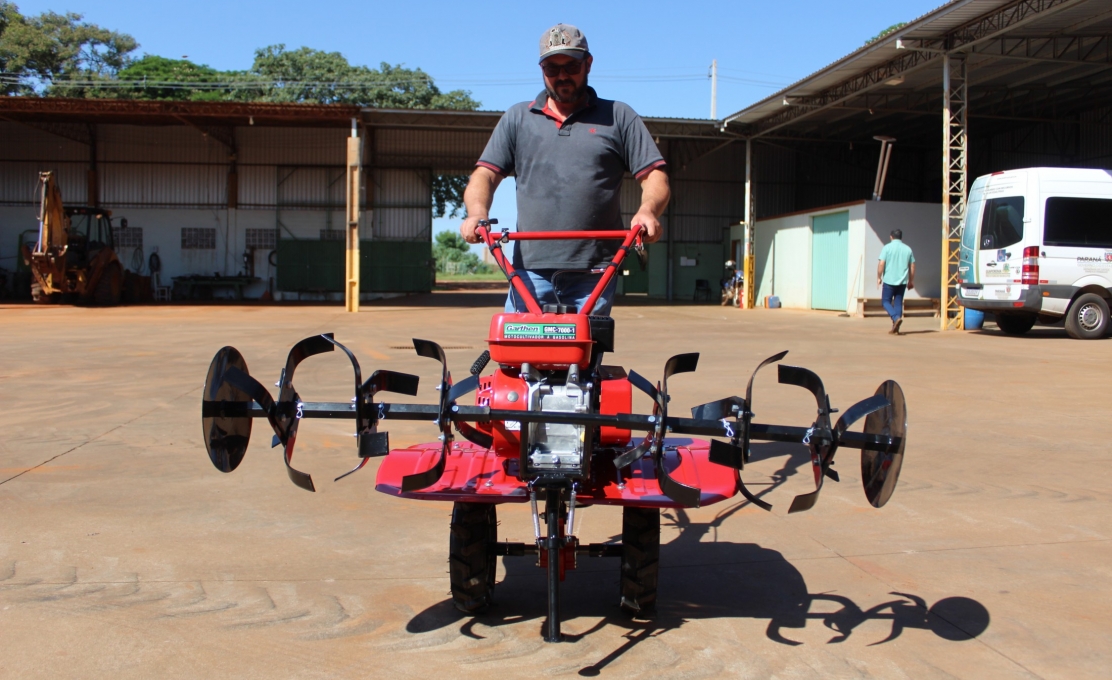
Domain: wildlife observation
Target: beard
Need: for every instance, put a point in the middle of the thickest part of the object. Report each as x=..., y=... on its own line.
x=575, y=96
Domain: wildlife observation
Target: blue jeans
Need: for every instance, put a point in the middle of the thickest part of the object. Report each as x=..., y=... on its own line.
x=563, y=286
x=892, y=297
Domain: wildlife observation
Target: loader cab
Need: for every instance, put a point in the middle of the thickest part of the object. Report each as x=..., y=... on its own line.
x=90, y=230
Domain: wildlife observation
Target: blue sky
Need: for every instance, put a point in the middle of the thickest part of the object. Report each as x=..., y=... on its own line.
x=653, y=55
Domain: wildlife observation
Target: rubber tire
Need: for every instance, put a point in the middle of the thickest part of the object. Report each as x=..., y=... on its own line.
x=1015, y=324
x=1092, y=302
x=472, y=562
x=107, y=292
x=640, y=560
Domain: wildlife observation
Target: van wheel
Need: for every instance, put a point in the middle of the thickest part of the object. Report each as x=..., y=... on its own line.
x=1015, y=324
x=1087, y=318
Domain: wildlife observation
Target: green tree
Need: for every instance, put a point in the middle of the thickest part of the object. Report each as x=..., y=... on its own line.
x=40, y=54
x=453, y=253
x=154, y=77
x=891, y=29
x=308, y=75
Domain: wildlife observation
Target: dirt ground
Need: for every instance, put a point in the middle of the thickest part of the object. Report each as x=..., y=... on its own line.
x=125, y=554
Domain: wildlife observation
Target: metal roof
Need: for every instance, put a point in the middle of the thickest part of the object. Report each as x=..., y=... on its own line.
x=1013, y=47
x=61, y=111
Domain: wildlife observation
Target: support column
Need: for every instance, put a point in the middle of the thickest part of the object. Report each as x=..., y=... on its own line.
x=354, y=171
x=955, y=163
x=749, y=301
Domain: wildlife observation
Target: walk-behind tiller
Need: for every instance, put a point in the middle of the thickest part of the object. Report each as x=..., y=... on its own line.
x=552, y=424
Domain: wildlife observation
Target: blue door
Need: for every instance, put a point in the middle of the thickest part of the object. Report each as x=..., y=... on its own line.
x=829, y=261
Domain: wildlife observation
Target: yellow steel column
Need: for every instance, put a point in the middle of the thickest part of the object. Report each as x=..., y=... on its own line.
x=750, y=297
x=354, y=171
x=955, y=156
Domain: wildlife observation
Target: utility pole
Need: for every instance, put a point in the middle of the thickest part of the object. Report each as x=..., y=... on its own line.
x=714, y=90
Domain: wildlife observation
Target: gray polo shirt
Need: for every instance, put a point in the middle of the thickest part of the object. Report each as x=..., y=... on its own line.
x=569, y=176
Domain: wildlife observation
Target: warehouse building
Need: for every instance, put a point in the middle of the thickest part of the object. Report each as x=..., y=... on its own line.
x=974, y=87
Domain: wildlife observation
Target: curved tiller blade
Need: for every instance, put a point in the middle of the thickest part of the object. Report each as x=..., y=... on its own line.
x=460, y=389
x=224, y=418
x=880, y=470
x=819, y=439
x=688, y=496
x=422, y=480
x=288, y=407
x=748, y=415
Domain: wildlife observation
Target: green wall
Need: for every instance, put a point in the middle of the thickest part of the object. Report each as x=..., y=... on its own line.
x=384, y=266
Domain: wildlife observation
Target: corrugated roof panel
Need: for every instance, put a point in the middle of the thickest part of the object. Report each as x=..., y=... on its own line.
x=163, y=185
x=443, y=150
x=292, y=146
x=141, y=143
x=20, y=142
x=19, y=181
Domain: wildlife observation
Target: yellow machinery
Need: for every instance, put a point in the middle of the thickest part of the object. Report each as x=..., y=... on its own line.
x=74, y=257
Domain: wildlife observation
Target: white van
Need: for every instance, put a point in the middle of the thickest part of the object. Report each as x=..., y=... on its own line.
x=1037, y=246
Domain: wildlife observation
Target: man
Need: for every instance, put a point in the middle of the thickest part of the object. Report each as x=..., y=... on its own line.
x=896, y=271
x=569, y=150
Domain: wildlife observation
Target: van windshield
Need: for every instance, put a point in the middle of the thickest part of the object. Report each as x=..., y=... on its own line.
x=1078, y=222
x=1002, y=224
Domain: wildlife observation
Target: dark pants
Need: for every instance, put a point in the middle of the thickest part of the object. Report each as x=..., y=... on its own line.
x=892, y=297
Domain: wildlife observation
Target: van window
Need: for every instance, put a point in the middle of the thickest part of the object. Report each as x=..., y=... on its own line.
x=1002, y=224
x=1079, y=222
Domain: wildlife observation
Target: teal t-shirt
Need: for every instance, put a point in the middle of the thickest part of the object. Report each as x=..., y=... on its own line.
x=897, y=258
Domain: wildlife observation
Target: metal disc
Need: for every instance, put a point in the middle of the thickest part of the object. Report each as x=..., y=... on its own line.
x=881, y=470
x=226, y=437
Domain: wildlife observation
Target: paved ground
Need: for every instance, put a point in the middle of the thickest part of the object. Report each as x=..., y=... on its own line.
x=124, y=554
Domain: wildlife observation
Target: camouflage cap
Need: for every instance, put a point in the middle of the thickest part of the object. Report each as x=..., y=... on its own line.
x=563, y=39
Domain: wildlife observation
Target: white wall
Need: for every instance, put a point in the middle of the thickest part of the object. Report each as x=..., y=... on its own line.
x=922, y=231
x=783, y=260
x=783, y=251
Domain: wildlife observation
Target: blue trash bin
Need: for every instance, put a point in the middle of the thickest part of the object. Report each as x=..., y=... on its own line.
x=974, y=319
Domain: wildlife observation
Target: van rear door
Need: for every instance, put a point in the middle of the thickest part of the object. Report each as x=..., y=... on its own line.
x=1000, y=237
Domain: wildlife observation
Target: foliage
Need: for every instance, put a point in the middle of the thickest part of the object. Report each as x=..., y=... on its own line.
x=169, y=79
x=308, y=75
x=39, y=54
x=447, y=195
x=454, y=254
x=891, y=29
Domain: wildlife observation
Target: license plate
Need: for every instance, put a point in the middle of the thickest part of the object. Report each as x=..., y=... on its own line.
x=971, y=293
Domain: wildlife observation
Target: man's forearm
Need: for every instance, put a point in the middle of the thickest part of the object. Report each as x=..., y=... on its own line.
x=655, y=193
x=479, y=194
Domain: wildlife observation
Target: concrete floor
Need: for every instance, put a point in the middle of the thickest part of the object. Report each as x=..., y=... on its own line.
x=125, y=554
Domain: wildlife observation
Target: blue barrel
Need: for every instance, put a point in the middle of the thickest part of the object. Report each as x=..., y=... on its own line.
x=974, y=319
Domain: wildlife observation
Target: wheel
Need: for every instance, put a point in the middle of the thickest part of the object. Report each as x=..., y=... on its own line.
x=640, y=560
x=1087, y=318
x=472, y=561
x=1015, y=324
x=107, y=292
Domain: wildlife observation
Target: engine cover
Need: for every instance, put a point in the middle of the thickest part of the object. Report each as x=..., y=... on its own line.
x=544, y=341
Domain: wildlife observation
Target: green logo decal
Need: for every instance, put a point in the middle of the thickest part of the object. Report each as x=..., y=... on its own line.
x=538, y=331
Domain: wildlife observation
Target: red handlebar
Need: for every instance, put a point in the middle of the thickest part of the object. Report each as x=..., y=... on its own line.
x=631, y=237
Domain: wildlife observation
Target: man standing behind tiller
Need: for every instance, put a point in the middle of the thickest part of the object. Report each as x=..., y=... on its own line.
x=896, y=271
x=569, y=151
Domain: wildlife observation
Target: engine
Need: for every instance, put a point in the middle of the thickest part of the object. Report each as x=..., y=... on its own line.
x=546, y=364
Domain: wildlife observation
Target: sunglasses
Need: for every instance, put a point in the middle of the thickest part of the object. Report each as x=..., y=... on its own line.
x=572, y=68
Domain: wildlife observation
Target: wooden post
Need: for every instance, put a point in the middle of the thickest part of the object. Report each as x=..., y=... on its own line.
x=354, y=168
